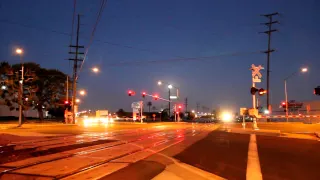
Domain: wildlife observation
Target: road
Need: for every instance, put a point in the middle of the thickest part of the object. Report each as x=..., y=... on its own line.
x=162, y=151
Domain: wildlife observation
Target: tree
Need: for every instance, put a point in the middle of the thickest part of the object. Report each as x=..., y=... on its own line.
x=42, y=88
x=121, y=113
x=149, y=104
x=154, y=108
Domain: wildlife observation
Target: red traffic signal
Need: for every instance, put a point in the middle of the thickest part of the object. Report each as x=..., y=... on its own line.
x=66, y=102
x=130, y=93
x=253, y=90
x=179, y=107
x=262, y=92
x=283, y=104
x=317, y=91
x=156, y=97
x=144, y=94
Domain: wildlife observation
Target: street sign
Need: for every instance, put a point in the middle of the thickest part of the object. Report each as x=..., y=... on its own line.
x=173, y=97
x=253, y=112
x=256, y=75
x=243, y=111
x=135, y=105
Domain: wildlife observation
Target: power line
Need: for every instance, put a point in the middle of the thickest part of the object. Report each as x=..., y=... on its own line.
x=33, y=27
x=102, y=6
x=126, y=63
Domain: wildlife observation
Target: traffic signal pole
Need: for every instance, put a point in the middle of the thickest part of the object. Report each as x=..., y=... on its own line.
x=286, y=94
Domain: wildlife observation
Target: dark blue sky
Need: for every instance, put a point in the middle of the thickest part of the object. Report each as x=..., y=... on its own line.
x=171, y=29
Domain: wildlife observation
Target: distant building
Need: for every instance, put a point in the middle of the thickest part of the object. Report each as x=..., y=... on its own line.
x=314, y=109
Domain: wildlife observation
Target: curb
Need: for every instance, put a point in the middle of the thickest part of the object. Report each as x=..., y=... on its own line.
x=317, y=134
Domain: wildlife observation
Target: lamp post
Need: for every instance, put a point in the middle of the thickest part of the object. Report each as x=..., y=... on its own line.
x=19, y=51
x=170, y=86
x=302, y=70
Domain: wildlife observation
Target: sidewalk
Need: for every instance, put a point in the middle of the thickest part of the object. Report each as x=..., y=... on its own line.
x=289, y=130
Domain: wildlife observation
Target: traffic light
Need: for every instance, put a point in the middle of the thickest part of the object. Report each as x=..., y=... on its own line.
x=156, y=97
x=262, y=92
x=179, y=108
x=283, y=104
x=317, y=91
x=130, y=93
x=144, y=94
x=253, y=90
x=67, y=105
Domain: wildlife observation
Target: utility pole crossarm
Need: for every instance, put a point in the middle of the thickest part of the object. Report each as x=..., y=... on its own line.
x=269, y=50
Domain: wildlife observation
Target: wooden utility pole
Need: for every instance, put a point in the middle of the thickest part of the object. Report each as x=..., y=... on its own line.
x=75, y=70
x=186, y=104
x=269, y=51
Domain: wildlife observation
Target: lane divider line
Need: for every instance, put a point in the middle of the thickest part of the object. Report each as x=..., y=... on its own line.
x=253, y=163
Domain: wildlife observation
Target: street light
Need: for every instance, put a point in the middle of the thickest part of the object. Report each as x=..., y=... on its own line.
x=78, y=100
x=3, y=87
x=170, y=86
x=302, y=70
x=19, y=52
x=83, y=92
x=95, y=69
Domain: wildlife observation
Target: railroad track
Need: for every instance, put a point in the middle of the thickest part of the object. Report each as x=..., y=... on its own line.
x=169, y=138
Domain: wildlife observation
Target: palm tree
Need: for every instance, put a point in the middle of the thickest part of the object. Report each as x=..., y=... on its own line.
x=149, y=104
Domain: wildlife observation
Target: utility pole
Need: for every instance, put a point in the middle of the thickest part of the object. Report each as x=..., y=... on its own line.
x=169, y=103
x=269, y=51
x=75, y=70
x=186, y=105
x=198, y=105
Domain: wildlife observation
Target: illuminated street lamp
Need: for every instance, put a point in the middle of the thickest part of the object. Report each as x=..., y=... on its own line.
x=19, y=52
x=302, y=70
x=78, y=100
x=170, y=86
x=83, y=92
x=95, y=69
x=3, y=87
x=193, y=111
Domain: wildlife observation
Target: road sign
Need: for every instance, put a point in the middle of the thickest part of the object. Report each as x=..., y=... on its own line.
x=256, y=75
x=243, y=111
x=173, y=97
x=135, y=105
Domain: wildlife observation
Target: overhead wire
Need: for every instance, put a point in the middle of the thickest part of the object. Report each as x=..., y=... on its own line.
x=102, y=6
x=128, y=63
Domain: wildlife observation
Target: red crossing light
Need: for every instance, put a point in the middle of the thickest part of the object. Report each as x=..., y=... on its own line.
x=130, y=93
x=144, y=94
x=66, y=102
x=156, y=97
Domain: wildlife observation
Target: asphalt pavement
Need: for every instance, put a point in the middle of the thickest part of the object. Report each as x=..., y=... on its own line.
x=161, y=151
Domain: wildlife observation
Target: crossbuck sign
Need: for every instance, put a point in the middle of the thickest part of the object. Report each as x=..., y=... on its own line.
x=256, y=75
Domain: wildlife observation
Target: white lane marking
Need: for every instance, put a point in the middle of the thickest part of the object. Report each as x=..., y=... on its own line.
x=253, y=164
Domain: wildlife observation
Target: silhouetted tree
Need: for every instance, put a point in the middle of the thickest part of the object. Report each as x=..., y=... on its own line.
x=149, y=104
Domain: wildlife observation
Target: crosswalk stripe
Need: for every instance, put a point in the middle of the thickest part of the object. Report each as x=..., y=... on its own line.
x=253, y=163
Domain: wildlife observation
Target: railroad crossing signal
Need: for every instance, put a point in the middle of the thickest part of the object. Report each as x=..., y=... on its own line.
x=317, y=91
x=261, y=91
x=144, y=94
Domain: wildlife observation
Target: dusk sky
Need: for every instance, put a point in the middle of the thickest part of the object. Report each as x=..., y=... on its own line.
x=151, y=31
